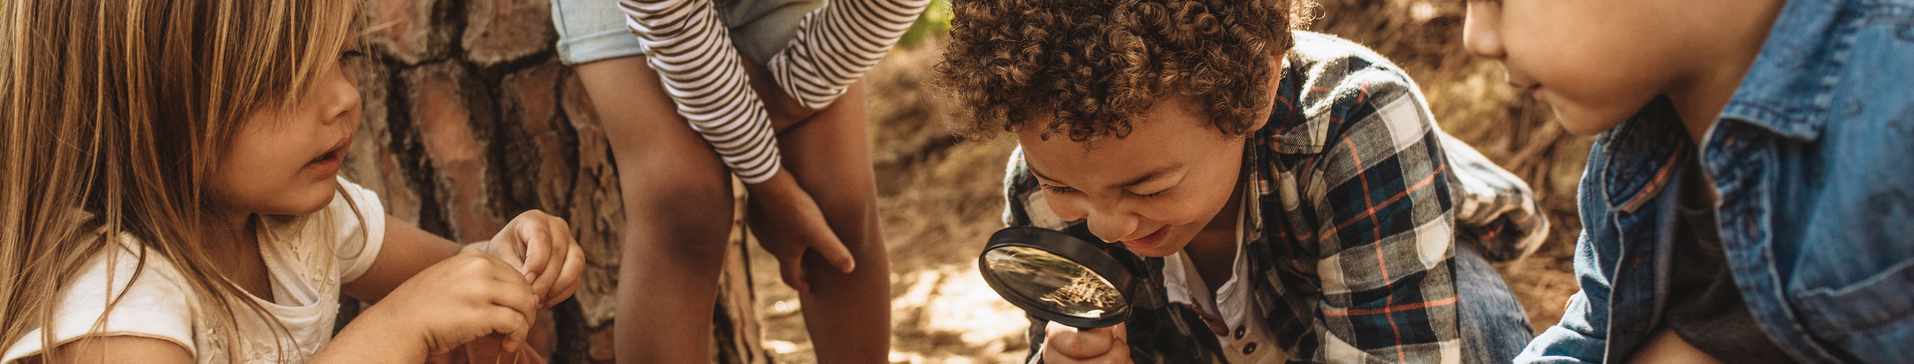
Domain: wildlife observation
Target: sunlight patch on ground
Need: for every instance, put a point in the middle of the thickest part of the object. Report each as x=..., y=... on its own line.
x=951, y=316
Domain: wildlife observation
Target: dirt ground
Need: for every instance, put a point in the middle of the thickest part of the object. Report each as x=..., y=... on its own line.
x=939, y=197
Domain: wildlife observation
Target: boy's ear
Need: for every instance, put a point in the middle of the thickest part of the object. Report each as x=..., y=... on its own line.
x=1269, y=106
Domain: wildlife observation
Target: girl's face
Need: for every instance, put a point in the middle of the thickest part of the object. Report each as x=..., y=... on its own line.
x=283, y=160
x=1154, y=189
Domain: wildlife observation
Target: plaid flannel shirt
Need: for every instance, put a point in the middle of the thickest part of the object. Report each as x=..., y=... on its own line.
x=1360, y=198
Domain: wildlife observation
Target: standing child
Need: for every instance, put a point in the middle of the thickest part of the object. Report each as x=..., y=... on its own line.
x=758, y=82
x=1287, y=192
x=1750, y=196
x=169, y=194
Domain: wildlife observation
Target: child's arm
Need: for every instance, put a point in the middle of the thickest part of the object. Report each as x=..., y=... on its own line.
x=1582, y=335
x=691, y=49
x=461, y=299
x=118, y=349
x=823, y=61
x=1386, y=234
x=532, y=236
x=430, y=297
x=407, y=250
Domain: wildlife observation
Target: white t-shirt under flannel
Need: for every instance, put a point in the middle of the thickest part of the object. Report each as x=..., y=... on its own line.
x=308, y=258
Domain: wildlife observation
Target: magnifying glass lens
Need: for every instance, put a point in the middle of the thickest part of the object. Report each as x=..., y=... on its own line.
x=1060, y=285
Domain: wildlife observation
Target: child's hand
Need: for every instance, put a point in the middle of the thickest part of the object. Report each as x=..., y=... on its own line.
x=1064, y=344
x=780, y=209
x=458, y=300
x=551, y=259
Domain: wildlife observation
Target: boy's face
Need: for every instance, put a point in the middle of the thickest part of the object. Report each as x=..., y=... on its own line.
x=1596, y=62
x=1154, y=189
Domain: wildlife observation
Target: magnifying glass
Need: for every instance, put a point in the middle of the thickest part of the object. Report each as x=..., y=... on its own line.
x=1058, y=277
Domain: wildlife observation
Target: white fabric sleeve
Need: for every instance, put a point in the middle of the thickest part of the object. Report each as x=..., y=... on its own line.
x=360, y=234
x=158, y=305
x=691, y=49
x=837, y=44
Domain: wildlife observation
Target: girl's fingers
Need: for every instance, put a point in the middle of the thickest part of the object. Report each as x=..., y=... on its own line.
x=817, y=234
x=833, y=251
x=792, y=269
x=498, y=269
x=552, y=267
x=511, y=323
x=538, y=250
x=517, y=296
x=567, y=278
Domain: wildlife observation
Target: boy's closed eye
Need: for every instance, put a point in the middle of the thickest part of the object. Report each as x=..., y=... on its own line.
x=1048, y=188
x=1055, y=189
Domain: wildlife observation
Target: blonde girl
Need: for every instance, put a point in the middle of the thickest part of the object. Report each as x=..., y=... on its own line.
x=169, y=194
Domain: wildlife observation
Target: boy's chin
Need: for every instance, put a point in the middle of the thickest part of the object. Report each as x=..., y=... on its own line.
x=1588, y=121
x=1158, y=251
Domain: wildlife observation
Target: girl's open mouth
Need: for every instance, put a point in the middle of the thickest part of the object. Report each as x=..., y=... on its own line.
x=329, y=163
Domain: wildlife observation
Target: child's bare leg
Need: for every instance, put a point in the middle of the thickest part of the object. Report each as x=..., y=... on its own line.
x=677, y=215
x=848, y=315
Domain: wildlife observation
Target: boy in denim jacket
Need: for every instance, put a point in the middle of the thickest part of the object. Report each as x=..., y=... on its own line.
x=1750, y=197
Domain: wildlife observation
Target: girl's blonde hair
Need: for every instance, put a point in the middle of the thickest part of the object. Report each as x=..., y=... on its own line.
x=113, y=115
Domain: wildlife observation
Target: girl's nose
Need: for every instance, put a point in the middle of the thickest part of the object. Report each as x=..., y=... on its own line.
x=1480, y=32
x=339, y=95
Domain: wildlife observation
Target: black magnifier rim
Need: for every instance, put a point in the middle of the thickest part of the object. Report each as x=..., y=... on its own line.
x=1069, y=247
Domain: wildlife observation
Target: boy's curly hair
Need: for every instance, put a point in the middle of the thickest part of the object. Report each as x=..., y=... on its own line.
x=1094, y=65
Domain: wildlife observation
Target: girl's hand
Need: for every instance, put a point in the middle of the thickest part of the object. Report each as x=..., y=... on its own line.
x=458, y=300
x=780, y=209
x=551, y=259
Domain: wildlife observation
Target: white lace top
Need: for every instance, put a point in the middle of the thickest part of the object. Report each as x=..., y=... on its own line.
x=308, y=257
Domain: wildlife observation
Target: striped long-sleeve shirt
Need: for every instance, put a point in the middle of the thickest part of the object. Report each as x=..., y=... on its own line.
x=691, y=48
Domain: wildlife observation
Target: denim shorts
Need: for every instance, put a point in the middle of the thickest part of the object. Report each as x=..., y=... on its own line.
x=594, y=30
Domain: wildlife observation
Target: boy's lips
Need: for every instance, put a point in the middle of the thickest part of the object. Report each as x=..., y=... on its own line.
x=1148, y=241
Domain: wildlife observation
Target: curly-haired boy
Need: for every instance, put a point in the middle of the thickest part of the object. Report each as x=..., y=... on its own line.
x=1287, y=191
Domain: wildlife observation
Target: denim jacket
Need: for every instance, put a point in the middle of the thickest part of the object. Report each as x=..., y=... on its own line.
x=1814, y=162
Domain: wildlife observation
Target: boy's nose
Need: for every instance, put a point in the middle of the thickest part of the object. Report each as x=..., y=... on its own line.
x=1111, y=226
x=1479, y=32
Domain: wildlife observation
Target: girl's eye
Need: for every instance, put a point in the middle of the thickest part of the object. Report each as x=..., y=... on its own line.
x=350, y=53
x=1057, y=189
x=1159, y=193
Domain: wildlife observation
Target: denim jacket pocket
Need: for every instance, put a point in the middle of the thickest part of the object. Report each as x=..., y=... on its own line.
x=1872, y=318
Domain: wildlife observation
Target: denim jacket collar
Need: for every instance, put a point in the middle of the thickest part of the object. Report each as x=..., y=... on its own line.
x=1788, y=90
x=1640, y=156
